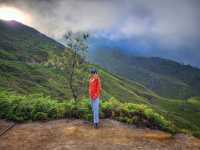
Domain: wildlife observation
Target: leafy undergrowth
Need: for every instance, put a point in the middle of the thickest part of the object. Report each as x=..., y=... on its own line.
x=38, y=107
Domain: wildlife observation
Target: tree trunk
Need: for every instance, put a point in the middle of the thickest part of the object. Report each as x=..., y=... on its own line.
x=71, y=77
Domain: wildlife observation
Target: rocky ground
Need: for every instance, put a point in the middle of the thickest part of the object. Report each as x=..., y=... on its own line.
x=80, y=135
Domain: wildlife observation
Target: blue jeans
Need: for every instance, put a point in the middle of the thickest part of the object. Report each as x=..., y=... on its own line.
x=95, y=110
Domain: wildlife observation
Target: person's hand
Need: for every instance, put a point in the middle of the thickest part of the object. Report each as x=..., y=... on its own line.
x=94, y=96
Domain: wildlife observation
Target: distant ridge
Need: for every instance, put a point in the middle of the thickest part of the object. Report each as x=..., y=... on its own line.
x=165, y=77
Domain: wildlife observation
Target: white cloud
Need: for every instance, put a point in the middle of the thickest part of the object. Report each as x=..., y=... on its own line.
x=172, y=22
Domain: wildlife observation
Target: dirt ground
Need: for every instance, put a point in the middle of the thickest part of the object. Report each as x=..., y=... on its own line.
x=80, y=135
x=3, y=125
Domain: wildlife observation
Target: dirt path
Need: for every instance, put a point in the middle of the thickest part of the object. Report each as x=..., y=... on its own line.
x=80, y=135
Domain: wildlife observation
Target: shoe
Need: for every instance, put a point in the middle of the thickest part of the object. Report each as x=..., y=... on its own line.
x=96, y=125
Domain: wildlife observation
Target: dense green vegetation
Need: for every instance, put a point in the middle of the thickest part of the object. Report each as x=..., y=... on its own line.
x=37, y=107
x=165, y=77
x=26, y=73
x=22, y=43
x=23, y=52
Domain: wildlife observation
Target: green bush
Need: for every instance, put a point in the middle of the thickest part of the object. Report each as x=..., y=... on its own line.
x=39, y=107
x=40, y=116
x=196, y=134
x=138, y=114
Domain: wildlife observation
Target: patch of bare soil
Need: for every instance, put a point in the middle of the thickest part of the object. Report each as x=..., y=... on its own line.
x=80, y=135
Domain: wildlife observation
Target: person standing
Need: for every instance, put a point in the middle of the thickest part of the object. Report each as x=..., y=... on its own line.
x=94, y=94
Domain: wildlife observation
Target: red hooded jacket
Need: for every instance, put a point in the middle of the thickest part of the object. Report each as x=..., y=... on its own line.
x=94, y=86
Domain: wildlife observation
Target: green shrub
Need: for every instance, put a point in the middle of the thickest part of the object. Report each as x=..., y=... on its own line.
x=196, y=134
x=84, y=109
x=39, y=107
x=69, y=109
x=40, y=116
x=110, y=108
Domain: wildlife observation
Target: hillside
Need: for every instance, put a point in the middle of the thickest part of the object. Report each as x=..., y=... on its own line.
x=23, y=52
x=22, y=43
x=165, y=77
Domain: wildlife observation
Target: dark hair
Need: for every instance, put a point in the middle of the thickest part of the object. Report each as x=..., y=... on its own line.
x=93, y=71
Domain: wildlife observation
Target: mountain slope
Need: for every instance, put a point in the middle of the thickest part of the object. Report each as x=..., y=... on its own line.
x=22, y=43
x=166, y=78
x=23, y=52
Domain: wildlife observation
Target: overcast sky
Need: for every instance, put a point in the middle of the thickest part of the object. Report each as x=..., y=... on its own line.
x=165, y=28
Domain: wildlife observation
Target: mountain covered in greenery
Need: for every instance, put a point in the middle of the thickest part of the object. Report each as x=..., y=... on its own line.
x=23, y=54
x=23, y=70
x=165, y=77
